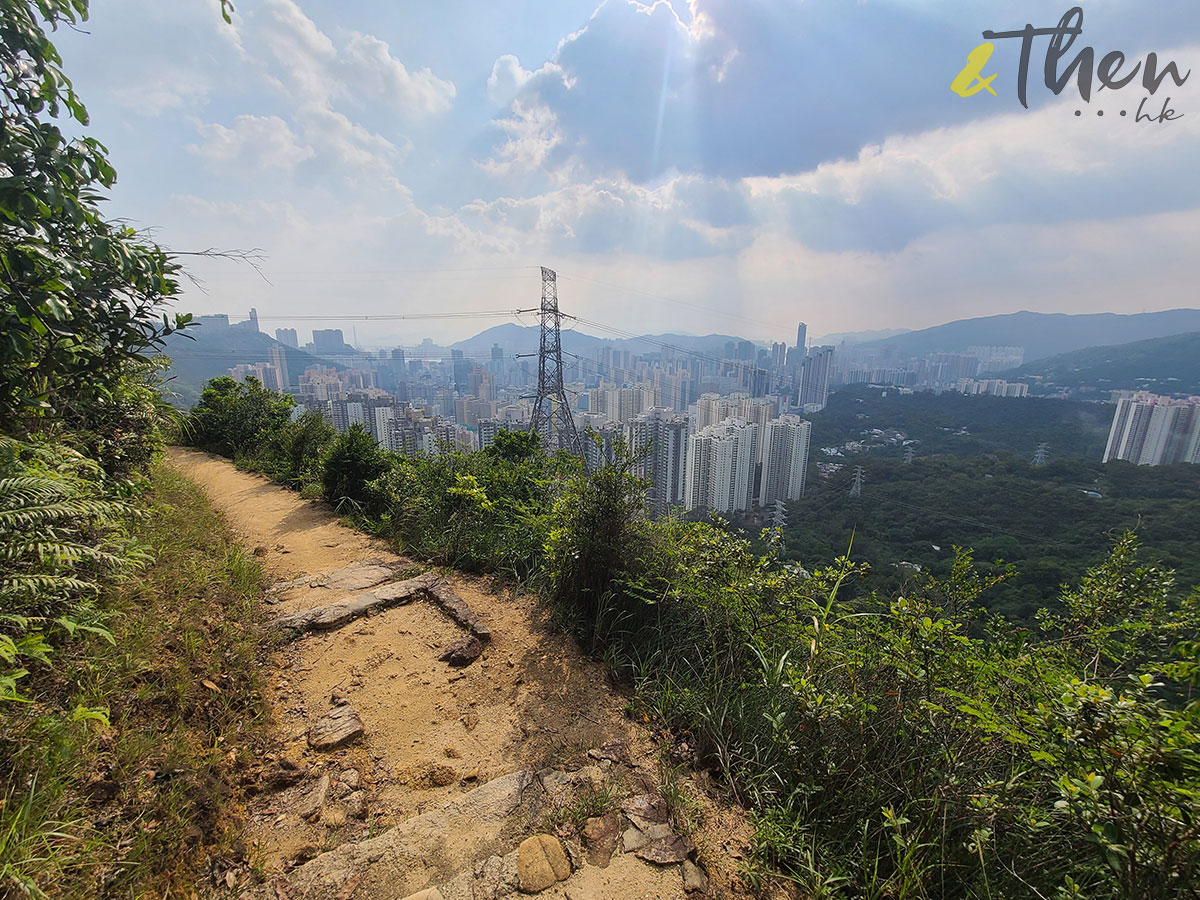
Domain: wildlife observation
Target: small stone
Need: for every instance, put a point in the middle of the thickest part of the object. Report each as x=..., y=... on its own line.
x=310, y=807
x=646, y=809
x=452, y=753
x=636, y=838
x=613, y=751
x=600, y=834
x=462, y=652
x=338, y=697
x=350, y=778
x=541, y=863
x=427, y=894
x=341, y=726
x=666, y=851
x=304, y=854
x=694, y=878
x=333, y=816
x=356, y=805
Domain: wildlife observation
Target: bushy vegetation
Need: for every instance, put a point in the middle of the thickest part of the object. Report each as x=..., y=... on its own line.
x=111, y=767
x=892, y=744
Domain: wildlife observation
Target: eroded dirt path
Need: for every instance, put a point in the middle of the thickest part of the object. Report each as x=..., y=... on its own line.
x=457, y=765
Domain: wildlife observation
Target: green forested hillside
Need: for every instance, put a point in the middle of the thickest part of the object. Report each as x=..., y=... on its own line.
x=1038, y=519
x=961, y=426
x=1168, y=365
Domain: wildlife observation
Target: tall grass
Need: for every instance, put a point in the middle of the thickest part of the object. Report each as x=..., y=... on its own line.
x=119, y=768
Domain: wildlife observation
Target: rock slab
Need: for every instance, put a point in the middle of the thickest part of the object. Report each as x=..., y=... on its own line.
x=541, y=863
x=339, y=727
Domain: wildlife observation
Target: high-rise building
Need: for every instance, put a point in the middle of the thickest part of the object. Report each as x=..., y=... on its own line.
x=254, y=319
x=279, y=361
x=720, y=467
x=814, y=379
x=757, y=411
x=288, y=337
x=461, y=368
x=1150, y=430
x=328, y=340
x=665, y=433
x=801, y=337
x=785, y=459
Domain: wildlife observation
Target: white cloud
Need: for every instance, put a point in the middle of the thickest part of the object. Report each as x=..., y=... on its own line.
x=253, y=143
x=532, y=134
x=372, y=73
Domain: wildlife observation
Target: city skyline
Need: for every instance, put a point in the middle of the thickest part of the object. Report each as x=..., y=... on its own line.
x=392, y=160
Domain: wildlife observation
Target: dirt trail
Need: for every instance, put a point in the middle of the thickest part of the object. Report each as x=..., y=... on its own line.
x=457, y=765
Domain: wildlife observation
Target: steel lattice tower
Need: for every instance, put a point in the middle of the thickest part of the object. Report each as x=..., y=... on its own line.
x=551, y=410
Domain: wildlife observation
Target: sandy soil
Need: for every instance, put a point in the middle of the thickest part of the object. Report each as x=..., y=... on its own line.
x=531, y=701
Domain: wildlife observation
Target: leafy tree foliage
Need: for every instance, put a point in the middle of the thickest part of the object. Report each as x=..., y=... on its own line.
x=79, y=296
x=1039, y=519
x=234, y=417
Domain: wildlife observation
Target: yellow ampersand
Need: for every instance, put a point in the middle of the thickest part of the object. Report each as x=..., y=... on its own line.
x=968, y=83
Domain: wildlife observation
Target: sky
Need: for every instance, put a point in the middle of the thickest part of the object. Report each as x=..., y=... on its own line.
x=697, y=166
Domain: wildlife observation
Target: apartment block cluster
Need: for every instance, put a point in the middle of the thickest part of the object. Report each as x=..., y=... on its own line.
x=1150, y=430
x=941, y=371
x=722, y=428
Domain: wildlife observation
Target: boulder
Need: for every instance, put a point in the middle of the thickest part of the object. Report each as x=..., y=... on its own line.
x=339, y=727
x=541, y=863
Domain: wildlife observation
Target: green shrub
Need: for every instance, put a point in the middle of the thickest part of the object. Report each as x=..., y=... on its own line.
x=353, y=461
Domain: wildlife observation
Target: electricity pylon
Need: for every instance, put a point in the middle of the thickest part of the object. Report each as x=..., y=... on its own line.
x=859, y=477
x=551, y=417
x=1041, y=455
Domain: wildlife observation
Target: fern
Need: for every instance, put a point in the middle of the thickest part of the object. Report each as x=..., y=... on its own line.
x=59, y=536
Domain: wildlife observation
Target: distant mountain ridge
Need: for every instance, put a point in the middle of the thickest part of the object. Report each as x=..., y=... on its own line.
x=524, y=339
x=1042, y=334
x=1168, y=365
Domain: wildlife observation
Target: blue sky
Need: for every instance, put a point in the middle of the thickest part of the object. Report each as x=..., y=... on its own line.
x=693, y=165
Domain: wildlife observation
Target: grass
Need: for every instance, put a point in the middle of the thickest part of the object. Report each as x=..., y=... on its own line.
x=122, y=769
x=589, y=803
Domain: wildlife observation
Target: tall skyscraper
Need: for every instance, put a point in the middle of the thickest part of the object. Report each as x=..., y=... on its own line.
x=814, y=379
x=666, y=434
x=1150, y=430
x=461, y=367
x=288, y=337
x=720, y=467
x=279, y=361
x=801, y=336
x=757, y=411
x=785, y=459
x=254, y=319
